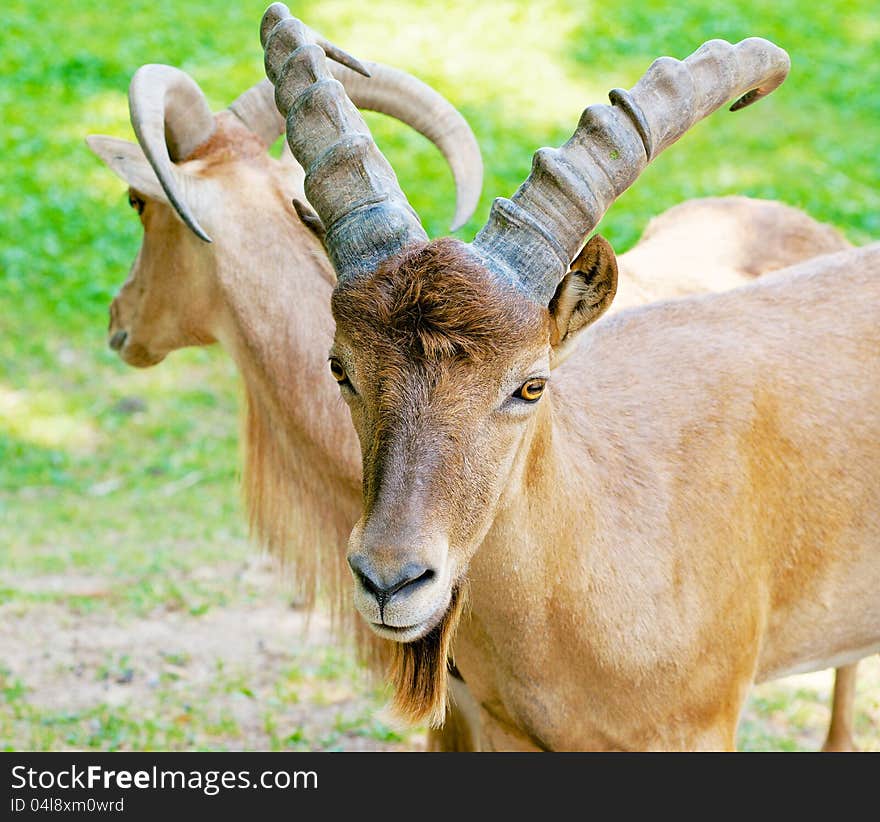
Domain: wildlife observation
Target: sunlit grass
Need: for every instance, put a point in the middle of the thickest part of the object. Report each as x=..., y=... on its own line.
x=43, y=420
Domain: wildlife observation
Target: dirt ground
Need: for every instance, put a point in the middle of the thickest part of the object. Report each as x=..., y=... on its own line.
x=275, y=677
x=254, y=675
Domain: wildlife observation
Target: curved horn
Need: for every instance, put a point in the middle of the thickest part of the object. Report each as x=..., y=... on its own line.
x=532, y=237
x=170, y=117
x=348, y=182
x=401, y=96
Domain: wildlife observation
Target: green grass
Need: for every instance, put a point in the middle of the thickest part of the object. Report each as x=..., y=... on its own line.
x=123, y=484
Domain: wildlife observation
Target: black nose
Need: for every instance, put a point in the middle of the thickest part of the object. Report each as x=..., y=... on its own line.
x=382, y=586
x=118, y=340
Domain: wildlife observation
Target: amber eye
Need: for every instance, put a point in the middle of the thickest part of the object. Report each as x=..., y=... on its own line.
x=530, y=390
x=338, y=371
x=136, y=202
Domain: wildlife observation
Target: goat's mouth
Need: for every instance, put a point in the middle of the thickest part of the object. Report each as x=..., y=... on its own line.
x=132, y=353
x=411, y=633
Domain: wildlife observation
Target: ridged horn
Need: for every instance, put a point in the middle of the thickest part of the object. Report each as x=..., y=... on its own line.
x=532, y=237
x=348, y=182
x=399, y=95
x=171, y=118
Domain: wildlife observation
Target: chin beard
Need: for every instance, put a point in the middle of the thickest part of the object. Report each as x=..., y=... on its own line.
x=419, y=669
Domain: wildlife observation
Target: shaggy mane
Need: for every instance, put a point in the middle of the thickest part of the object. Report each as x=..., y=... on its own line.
x=286, y=520
x=288, y=515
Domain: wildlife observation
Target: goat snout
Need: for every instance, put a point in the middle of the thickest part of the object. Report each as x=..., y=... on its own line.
x=383, y=586
x=118, y=340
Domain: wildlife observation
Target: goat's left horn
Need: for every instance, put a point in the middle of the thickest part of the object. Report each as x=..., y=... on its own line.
x=348, y=182
x=532, y=237
x=170, y=117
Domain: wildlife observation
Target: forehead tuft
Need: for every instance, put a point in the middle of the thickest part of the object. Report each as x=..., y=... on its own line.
x=436, y=301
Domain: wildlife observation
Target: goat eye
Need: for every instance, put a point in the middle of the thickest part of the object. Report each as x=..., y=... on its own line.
x=338, y=371
x=530, y=390
x=136, y=202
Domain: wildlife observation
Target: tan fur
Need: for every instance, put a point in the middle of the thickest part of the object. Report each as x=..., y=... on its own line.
x=717, y=243
x=692, y=507
x=261, y=289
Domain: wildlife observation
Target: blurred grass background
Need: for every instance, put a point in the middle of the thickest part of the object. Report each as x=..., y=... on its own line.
x=118, y=489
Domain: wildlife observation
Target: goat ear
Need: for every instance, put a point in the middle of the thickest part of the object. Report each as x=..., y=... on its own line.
x=128, y=162
x=583, y=295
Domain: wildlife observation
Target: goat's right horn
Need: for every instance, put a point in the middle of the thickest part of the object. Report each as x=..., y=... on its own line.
x=348, y=182
x=532, y=237
x=401, y=96
x=171, y=117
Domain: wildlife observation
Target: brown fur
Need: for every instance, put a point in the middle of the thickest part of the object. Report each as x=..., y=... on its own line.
x=431, y=303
